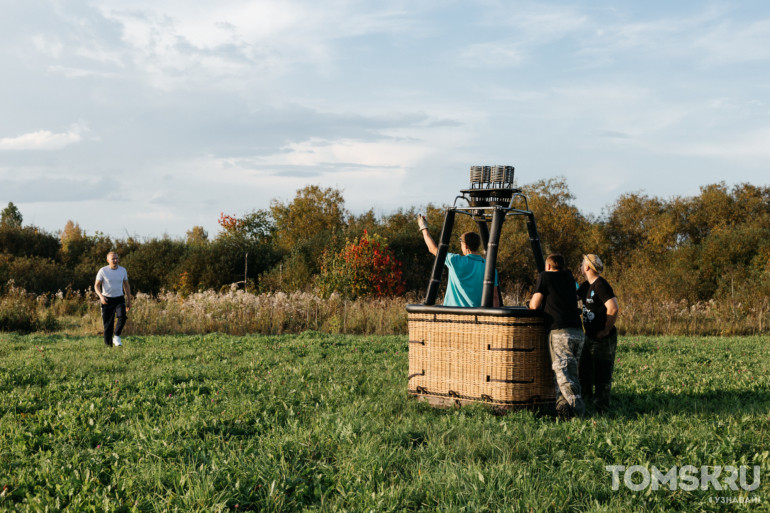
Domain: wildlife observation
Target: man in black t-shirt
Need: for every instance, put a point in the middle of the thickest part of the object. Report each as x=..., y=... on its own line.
x=555, y=294
x=600, y=311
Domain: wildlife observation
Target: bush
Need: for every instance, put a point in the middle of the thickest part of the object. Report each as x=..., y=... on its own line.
x=365, y=268
x=19, y=312
x=149, y=265
x=28, y=241
x=33, y=273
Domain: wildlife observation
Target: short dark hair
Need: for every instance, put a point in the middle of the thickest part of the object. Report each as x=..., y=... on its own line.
x=556, y=261
x=472, y=240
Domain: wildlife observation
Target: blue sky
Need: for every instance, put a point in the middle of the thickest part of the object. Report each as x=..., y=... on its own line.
x=152, y=116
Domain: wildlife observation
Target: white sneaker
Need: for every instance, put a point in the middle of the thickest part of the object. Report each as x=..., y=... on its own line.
x=116, y=341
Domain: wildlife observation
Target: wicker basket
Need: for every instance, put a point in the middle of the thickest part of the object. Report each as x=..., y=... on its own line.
x=497, y=356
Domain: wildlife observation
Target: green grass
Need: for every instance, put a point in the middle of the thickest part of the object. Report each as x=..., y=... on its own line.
x=317, y=422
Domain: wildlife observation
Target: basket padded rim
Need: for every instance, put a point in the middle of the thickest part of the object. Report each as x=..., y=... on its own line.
x=505, y=311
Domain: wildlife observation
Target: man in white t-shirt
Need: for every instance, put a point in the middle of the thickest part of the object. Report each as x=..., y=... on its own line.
x=115, y=296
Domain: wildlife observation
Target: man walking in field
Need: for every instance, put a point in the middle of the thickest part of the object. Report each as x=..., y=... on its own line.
x=555, y=295
x=115, y=296
x=600, y=311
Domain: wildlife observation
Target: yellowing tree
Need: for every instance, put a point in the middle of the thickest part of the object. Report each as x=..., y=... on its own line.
x=71, y=235
x=197, y=235
x=314, y=212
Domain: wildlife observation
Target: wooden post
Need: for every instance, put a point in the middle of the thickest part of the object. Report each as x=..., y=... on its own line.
x=245, y=270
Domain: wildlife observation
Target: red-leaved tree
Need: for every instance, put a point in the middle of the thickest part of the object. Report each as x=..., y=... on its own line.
x=362, y=268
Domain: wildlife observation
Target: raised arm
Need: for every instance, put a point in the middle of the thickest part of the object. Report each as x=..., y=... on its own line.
x=423, y=224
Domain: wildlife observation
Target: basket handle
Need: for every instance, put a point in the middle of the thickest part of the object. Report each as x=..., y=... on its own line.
x=416, y=374
x=490, y=380
x=512, y=349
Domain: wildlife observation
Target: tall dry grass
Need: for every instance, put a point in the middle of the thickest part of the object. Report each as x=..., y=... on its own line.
x=24, y=312
x=703, y=318
x=239, y=313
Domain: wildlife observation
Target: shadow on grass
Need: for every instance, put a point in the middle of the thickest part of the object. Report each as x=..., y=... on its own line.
x=730, y=402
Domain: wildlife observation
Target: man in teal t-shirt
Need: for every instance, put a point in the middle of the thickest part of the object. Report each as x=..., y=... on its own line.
x=466, y=271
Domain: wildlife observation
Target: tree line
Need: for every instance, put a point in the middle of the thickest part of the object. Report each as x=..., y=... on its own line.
x=657, y=251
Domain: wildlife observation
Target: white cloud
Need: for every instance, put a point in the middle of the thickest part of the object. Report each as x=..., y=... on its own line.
x=47, y=45
x=612, y=108
x=713, y=36
x=43, y=140
x=746, y=146
x=511, y=35
x=203, y=107
x=493, y=55
x=70, y=72
x=546, y=23
x=729, y=43
x=317, y=152
x=155, y=215
x=180, y=43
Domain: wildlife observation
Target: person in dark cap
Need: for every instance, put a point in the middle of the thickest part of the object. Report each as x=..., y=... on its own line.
x=600, y=311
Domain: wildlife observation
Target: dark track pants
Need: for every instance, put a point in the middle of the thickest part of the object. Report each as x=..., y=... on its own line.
x=597, y=363
x=115, y=307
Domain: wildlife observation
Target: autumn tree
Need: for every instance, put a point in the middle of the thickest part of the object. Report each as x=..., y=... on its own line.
x=304, y=227
x=314, y=212
x=631, y=223
x=364, y=267
x=197, y=235
x=70, y=235
x=559, y=222
x=149, y=266
x=404, y=240
x=11, y=216
x=251, y=237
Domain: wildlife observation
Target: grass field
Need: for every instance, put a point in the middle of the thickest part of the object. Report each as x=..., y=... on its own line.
x=317, y=422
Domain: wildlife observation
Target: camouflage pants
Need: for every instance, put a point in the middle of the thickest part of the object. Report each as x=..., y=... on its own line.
x=566, y=346
x=597, y=364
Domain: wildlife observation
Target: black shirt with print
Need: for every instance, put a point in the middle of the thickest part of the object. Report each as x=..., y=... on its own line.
x=594, y=295
x=560, y=303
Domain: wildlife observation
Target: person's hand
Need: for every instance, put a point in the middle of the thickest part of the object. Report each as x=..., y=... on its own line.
x=422, y=222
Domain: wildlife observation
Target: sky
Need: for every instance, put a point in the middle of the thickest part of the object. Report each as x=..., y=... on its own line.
x=149, y=117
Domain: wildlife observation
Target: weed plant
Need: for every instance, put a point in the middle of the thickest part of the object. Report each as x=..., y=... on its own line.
x=318, y=422
x=239, y=313
x=23, y=312
x=236, y=312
